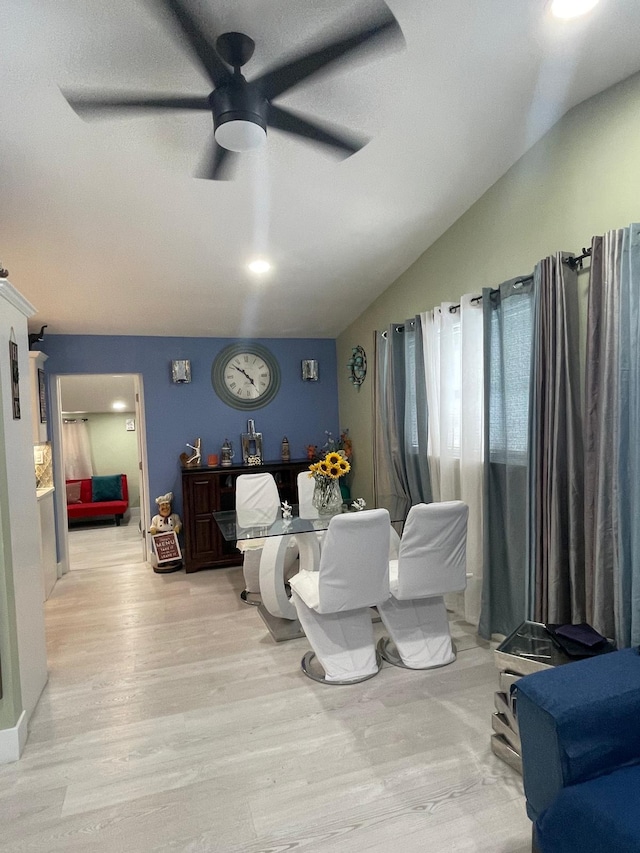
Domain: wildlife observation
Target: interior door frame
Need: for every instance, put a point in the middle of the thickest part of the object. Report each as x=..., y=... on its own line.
x=60, y=502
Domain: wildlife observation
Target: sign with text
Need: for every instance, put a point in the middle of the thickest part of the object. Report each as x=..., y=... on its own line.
x=166, y=547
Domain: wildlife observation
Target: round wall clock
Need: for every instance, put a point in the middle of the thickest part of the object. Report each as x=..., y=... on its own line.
x=245, y=376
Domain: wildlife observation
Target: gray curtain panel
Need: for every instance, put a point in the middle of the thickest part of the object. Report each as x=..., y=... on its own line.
x=387, y=479
x=402, y=411
x=628, y=623
x=508, y=344
x=556, y=473
x=601, y=436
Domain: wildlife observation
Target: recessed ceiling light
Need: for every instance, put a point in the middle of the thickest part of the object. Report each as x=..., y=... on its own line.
x=571, y=8
x=118, y=404
x=260, y=266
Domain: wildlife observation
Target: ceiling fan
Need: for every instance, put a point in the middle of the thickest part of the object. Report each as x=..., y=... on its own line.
x=243, y=110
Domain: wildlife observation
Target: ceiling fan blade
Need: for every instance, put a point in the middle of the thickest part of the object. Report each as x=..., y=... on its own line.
x=286, y=76
x=85, y=103
x=199, y=42
x=217, y=164
x=290, y=122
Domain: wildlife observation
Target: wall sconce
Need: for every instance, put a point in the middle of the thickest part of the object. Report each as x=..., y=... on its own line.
x=181, y=371
x=309, y=370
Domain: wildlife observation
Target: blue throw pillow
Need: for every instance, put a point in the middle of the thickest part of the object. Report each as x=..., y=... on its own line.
x=108, y=488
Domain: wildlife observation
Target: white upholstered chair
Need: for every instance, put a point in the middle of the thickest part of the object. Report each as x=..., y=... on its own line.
x=306, y=509
x=257, y=504
x=431, y=563
x=306, y=484
x=333, y=603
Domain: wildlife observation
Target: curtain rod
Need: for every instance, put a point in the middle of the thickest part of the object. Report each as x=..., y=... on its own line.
x=575, y=263
x=398, y=328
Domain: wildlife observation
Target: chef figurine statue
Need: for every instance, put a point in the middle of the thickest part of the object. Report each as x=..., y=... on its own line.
x=166, y=521
x=167, y=556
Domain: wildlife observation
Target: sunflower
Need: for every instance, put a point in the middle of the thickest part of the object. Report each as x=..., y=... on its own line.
x=333, y=466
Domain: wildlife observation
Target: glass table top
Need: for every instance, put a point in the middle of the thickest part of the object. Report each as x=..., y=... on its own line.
x=233, y=532
x=531, y=640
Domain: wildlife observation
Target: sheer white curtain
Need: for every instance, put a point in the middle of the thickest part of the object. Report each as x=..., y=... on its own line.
x=453, y=353
x=76, y=450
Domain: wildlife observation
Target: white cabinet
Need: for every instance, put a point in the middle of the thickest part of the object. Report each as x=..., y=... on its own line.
x=38, y=396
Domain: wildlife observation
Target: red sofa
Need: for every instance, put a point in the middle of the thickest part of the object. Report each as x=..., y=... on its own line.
x=87, y=508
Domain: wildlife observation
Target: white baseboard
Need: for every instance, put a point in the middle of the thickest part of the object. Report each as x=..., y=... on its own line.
x=12, y=740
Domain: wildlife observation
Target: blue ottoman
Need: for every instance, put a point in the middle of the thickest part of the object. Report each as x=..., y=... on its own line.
x=580, y=732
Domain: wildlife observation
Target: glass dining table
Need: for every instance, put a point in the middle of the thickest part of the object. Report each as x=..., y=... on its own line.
x=276, y=609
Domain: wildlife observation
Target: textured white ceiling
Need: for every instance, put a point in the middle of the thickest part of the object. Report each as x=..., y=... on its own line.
x=105, y=231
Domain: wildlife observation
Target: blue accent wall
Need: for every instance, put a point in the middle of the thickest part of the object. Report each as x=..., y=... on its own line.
x=177, y=414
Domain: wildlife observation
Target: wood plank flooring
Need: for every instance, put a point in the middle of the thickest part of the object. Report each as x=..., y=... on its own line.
x=172, y=722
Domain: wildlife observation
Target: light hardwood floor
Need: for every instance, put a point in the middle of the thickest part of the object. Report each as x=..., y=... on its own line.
x=172, y=722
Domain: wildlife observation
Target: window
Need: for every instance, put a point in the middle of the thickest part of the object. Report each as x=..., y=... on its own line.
x=511, y=343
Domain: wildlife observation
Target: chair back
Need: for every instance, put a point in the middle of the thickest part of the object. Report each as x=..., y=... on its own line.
x=257, y=500
x=354, y=564
x=432, y=559
x=306, y=484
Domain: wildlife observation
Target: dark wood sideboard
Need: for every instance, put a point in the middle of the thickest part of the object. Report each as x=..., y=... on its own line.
x=209, y=490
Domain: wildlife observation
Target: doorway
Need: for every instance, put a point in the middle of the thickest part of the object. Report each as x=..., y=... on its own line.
x=108, y=410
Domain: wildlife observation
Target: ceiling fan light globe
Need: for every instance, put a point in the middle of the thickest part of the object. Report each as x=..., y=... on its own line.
x=240, y=135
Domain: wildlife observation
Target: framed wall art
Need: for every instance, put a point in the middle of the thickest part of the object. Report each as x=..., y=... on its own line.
x=42, y=397
x=15, y=376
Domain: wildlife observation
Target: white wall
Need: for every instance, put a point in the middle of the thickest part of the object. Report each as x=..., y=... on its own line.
x=19, y=508
x=114, y=449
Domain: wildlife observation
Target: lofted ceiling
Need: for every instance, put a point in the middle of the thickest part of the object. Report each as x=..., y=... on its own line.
x=104, y=229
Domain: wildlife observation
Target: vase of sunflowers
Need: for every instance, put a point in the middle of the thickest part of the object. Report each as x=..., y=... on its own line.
x=327, y=498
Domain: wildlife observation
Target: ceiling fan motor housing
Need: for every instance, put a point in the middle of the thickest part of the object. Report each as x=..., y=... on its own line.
x=236, y=101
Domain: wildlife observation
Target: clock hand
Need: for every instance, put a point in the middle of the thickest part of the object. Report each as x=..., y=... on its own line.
x=244, y=372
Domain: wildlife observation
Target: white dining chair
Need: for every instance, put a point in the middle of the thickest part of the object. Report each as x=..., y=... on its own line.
x=257, y=504
x=333, y=603
x=431, y=563
x=306, y=484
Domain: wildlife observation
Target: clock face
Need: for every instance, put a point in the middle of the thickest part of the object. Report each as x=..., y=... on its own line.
x=245, y=376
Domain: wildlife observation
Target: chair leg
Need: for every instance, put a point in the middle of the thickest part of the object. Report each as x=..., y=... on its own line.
x=420, y=631
x=312, y=668
x=342, y=642
x=251, y=572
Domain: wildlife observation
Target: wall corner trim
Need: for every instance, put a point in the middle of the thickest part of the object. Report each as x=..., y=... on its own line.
x=16, y=299
x=12, y=740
